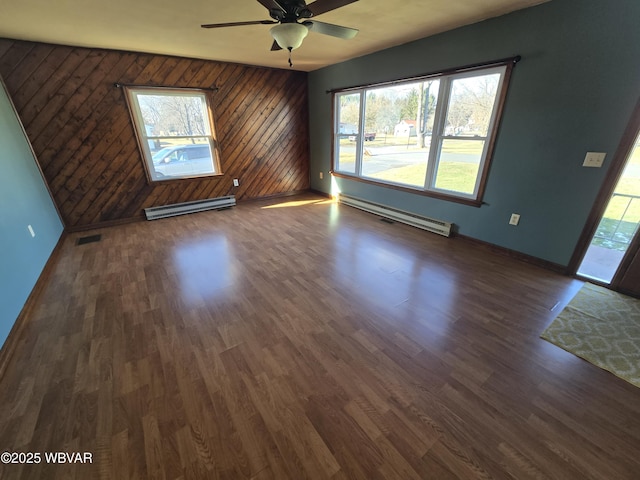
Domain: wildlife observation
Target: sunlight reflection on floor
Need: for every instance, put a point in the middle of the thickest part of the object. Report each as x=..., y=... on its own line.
x=300, y=203
x=204, y=268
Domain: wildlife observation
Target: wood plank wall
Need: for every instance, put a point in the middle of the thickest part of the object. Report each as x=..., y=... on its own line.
x=84, y=140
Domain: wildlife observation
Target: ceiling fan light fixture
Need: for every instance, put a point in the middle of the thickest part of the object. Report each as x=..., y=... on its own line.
x=289, y=35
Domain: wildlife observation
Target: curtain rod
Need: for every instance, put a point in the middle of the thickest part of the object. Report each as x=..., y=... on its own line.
x=466, y=68
x=133, y=85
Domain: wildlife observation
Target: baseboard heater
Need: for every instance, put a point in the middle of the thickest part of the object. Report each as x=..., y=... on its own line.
x=164, y=211
x=425, y=223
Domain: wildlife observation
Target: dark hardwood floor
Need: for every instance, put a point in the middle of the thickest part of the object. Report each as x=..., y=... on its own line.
x=296, y=338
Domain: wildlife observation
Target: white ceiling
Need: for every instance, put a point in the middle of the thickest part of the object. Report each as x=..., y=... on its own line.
x=173, y=26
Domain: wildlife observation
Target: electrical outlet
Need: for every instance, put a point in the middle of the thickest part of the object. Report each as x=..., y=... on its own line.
x=594, y=159
x=321, y=175
x=515, y=219
x=30, y=228
x=236, y=182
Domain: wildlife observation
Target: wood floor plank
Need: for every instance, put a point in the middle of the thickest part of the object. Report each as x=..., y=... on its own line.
x=296, y=338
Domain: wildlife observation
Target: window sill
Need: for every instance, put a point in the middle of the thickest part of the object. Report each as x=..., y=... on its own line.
x=184, y=179
x=415, y=191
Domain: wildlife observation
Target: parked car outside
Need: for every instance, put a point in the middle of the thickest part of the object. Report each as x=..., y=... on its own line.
x=183, y=161
x=368, y=137
x=180, y=153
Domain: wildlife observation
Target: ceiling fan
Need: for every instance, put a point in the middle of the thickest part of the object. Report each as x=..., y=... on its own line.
x=288, y=32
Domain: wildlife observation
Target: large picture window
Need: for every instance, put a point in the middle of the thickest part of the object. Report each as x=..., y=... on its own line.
x=175, y=132
x=432, y=134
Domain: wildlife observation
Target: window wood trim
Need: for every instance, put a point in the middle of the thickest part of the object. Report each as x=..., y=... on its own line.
x=509, y=62
x=129, y=92
x=491, y=138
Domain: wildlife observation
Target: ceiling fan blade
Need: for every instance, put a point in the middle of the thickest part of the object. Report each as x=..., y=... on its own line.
x=275, y=47
x=269, y=4
x=331, y=29
x=323, y=6
x=237, y=24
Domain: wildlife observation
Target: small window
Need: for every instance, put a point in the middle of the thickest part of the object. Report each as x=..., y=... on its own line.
x=432, y=135
x=175, y=132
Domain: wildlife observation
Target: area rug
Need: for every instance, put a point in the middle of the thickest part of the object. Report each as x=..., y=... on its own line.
x=603, y=327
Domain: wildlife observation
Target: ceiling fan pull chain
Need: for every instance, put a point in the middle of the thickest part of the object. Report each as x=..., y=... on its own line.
x=290, y=63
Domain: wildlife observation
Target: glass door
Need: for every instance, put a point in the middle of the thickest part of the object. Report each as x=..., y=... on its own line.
x=617, y=226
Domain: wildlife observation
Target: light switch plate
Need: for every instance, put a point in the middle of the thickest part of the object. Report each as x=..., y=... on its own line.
x=594, y=159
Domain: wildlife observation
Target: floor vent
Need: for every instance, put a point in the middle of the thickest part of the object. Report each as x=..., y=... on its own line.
x=425, y=223
x=88, y=239
x=165, y=211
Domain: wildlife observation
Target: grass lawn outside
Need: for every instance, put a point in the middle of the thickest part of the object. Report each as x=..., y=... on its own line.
x=614, y=234
x=454, y=176
x=620, y=220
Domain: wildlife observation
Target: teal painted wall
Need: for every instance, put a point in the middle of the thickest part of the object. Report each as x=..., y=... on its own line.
x=573, y=92
x=24, y=200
